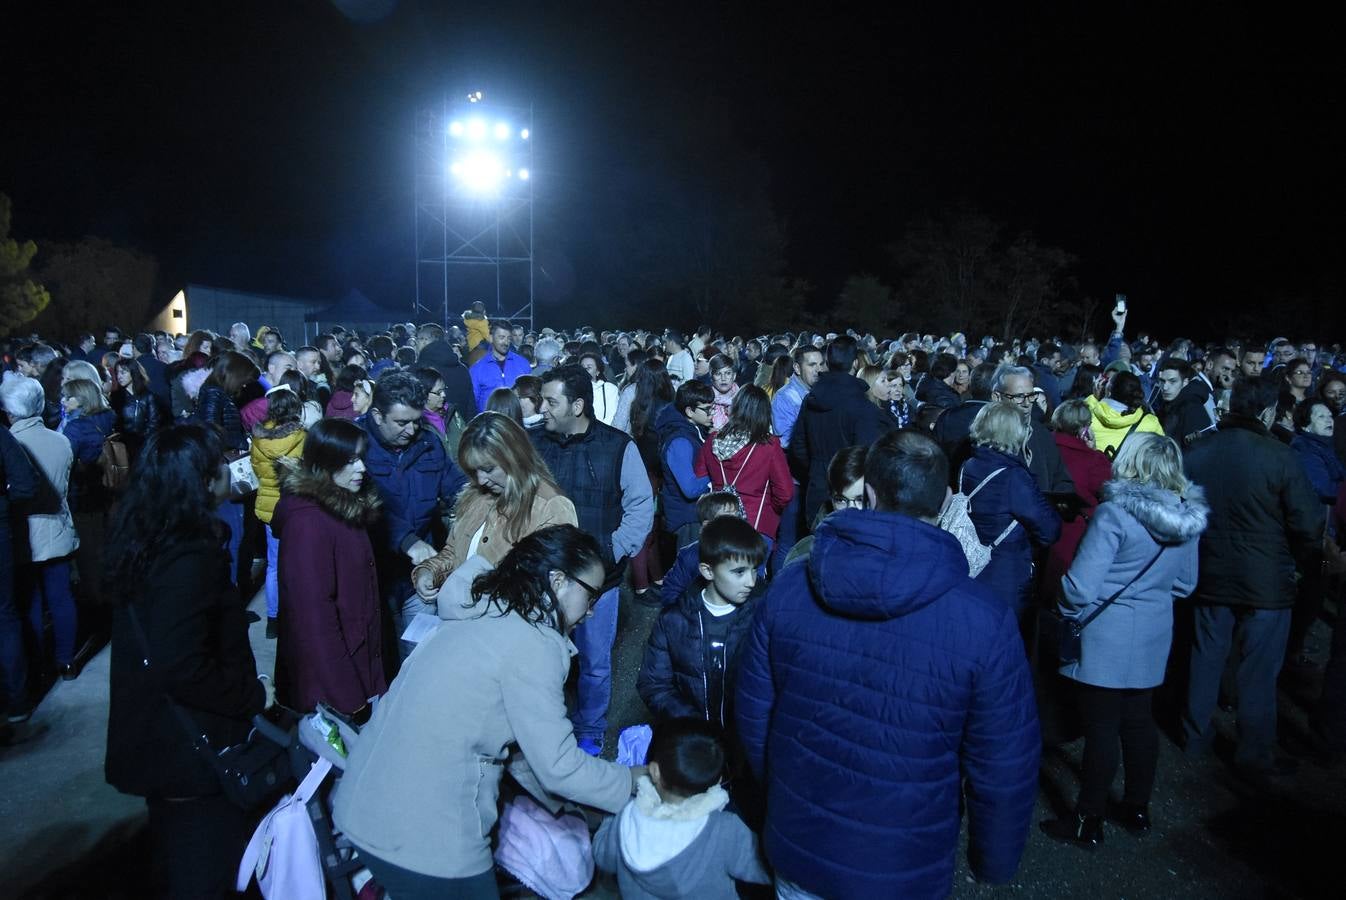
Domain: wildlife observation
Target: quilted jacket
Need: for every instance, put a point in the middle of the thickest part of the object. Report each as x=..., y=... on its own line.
x=879, y=688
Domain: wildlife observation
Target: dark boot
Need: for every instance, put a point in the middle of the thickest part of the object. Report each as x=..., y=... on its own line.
x=1134, y=817
x=1077, y=828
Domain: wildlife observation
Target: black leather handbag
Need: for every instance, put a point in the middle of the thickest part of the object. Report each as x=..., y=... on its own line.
x=254, y=772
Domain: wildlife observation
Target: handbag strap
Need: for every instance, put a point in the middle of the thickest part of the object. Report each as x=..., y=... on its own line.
x=981, y=484
x=200, y=742
x=1108, y=602
x=725, y=478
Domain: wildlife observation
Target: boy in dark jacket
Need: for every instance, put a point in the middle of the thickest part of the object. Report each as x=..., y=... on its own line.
x=675, y=839
x=691, y=655
x=684, y=573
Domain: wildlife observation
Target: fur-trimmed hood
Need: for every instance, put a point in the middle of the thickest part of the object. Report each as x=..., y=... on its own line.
x=1169, y=518
x=360, y=507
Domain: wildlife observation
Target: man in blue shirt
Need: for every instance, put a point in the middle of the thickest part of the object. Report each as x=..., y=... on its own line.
x=499, y=368
x=785, y=406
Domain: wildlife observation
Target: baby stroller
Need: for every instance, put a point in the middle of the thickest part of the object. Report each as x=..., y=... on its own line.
x=323, y=735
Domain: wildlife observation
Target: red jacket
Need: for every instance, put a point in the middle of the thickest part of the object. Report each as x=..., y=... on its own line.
x=1088, y=468
x=758, y=472
x=330, y=647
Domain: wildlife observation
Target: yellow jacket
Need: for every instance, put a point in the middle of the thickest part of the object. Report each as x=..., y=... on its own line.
x=478, y=329
x=268, y=446
x=1111, y=426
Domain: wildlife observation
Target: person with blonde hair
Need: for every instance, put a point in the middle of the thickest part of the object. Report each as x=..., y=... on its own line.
x=1139, y=554
x=510, y=493
x=885, y=388
x=1009, y=512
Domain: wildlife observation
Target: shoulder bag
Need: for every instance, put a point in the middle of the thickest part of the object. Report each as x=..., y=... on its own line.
x=252, y=773
x=1071, y=627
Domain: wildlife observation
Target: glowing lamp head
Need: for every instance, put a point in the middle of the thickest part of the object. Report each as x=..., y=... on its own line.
x=455, y=129
x=523, y=175
x=480, y=172
x=523, y=134
x=476, y=130
x=501, y=131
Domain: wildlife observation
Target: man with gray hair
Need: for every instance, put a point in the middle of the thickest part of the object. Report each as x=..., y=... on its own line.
x=1015, y=385
x=545, y=354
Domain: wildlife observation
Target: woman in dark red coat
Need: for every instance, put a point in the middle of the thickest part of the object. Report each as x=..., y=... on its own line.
x=746, y=456
x=330, y=647
x=1088, y=468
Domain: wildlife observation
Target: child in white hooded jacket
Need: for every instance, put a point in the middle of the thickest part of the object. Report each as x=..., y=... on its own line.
x=675, y=839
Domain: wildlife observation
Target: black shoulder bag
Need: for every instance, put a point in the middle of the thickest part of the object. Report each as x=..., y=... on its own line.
x=253, y=773
x=1072, y=627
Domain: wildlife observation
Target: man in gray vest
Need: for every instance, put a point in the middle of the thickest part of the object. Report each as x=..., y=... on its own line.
x=599, y=469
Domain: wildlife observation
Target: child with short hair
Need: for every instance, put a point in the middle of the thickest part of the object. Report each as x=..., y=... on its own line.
x=683, y=574
x=690, y=658
x=675, y=839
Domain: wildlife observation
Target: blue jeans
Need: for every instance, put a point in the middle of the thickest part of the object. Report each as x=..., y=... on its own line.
x=272, y=572
x=230, y=512
x=788, y=534
x=594, y=639
x=48, y=585
x=13, y=658
x=1259, y=635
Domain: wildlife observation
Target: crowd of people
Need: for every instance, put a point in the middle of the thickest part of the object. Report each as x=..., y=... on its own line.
x=886, y=572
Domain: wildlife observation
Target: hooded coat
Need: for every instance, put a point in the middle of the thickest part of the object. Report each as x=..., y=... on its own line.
x=880, y=691
x=330, y=647
x=680, y=488
x=836, y=414
x=1186, y=418
x=422, y=786
x=269, y=446
x=1127, y=645
x=1111, y=426
x=758, y=472
x=685, y=848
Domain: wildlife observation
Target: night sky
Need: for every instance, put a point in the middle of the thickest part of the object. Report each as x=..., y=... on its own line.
x=1191, y=160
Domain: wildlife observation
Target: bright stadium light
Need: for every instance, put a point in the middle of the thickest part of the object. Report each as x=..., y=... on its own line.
x=501, y=131
x=476, y=130
x=479, y=172
x=523, y=134
x=523, y=174
x=455, y=129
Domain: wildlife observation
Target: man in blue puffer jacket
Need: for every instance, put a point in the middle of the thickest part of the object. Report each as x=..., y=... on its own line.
x=879, y=686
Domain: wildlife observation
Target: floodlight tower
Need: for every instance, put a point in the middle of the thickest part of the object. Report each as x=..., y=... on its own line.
x=474, y=205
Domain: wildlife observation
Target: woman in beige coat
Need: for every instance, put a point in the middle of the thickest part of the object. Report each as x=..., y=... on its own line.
x=510, y=494
x=420, y=792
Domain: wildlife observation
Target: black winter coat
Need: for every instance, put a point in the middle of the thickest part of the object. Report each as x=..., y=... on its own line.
x=836, y=414
x=672, y=679
x=1264, y=515
x=440, y=356
x=198, y=654
x=215, y=407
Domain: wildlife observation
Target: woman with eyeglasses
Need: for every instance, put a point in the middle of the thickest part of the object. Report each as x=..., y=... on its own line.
x=510, y=494
x=420, y=794
x=745, y=457
x=845, y=490
x=1299, y=379
x=723, y=383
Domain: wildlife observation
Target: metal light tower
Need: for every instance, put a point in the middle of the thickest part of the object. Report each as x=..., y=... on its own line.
x=474, y=208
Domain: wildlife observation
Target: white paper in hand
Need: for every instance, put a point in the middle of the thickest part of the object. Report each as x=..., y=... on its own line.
x=422, y=626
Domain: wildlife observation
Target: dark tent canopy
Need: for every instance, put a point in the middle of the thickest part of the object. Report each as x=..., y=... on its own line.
x=354, y=309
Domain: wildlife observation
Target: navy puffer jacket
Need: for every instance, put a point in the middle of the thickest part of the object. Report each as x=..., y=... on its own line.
x=1012, y=496
x=672, y=679
x=877, y=682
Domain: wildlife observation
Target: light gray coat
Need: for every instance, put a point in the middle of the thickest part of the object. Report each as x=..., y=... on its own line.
x=422, y=784
x=51, y=528
x=1127, y=645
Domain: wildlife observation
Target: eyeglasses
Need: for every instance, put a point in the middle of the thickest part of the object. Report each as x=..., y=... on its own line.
x=1017, y=398
x=705, y=408
x=594, y=592
x=438, y=393
x=841, y=502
